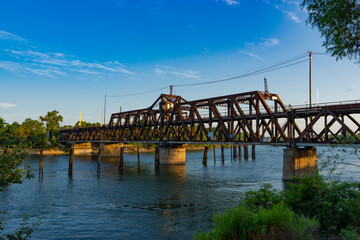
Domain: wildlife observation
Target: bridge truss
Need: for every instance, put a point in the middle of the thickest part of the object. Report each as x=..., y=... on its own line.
x=251, y=117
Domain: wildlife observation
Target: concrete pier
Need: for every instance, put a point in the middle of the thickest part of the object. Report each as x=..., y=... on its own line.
x=172, y=155
x=82, y=149
x=299, y=161
x=111, y=150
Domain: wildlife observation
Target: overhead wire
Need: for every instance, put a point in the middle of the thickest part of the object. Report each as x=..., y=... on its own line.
x=272, y=67
x=140, y=93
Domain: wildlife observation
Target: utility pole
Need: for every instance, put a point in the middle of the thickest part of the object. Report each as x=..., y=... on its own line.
x=310, y=58
x=104, y=109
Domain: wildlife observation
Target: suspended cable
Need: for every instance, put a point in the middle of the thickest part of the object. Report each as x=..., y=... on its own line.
x=279, y=65
x=260, y=71
x=140, y=93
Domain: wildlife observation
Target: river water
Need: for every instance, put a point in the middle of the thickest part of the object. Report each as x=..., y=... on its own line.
x=171, y=203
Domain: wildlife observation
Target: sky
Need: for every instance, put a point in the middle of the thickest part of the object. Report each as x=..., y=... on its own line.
x=66, y=55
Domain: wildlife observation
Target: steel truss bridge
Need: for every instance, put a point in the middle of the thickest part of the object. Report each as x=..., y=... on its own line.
x=244, y=118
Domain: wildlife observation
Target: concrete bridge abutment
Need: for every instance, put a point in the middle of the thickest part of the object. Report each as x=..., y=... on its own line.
x=172, y=155
x=82, y=149
x=111, y=150
x=298, y=162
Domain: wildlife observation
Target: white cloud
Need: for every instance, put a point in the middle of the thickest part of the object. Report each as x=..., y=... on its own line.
x=231, y=2
x=284, y=7
x=293, y=17
x=5, y=105
x=9, y=36
x=53, y=64
x=252, y=55
x=291, y=2
x=270, y=42
x=185, y=73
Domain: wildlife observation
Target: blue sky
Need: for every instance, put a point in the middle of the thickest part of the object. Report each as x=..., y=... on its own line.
x=66, y=55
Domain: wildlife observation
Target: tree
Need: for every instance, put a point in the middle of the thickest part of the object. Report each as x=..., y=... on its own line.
x=33, y=132
x=52, y=120
x=13, y=170
x=3, y=137
x=87, y=124
x=339, y=22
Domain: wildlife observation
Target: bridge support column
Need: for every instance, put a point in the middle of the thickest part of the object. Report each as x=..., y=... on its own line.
x=41, y=164
x=253, y=152
x=121, y=162
x=157, y=157
x=235, y=152
x=111, y=150
x=222, y=154
x=205, y=157
x=172, y=155
x=299, y=161
x=71, y=160
x=214, y=154
x=239, y=152
x=246, y=152
x=98, y=170
x=82, y=149
x=138, y=156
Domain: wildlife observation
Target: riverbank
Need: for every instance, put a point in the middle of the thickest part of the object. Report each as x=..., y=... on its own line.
x=128, y=148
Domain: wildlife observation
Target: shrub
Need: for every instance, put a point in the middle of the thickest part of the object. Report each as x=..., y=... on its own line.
x=336, y=205
x=275, y=222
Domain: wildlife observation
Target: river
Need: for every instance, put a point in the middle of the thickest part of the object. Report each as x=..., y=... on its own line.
x=172, y=203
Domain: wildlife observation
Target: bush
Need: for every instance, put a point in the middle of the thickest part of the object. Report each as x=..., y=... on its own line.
x=310, y=209
x=336, y=205
x=276, y=222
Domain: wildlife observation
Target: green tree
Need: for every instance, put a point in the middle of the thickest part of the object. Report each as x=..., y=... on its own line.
x=33, y=133
x=13, y=170
x=339, y=22
x=52, y=120
x=3, y=136
x=12, y=133
x=87, y=124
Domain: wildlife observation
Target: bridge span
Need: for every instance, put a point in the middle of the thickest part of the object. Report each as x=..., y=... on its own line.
x=249, y=118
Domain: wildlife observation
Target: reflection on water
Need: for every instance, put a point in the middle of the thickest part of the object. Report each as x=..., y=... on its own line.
x=171, y=203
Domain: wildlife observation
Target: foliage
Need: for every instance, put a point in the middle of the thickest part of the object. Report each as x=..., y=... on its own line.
x=52, y=120
x=311, y=208
x=275, y=222
x=339, y=22
x=13, y=170
x=349, y=233
x=335, y=204
x=33, y=133
x=87, y=124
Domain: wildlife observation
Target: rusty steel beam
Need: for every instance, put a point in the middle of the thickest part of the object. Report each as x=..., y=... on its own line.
x=244, y=117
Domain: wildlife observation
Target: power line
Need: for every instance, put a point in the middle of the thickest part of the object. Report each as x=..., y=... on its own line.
x=260, y=71
x=140, y=93
x=269, y=68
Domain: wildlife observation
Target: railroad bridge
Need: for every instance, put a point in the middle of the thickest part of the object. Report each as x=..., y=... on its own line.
x=241, y=119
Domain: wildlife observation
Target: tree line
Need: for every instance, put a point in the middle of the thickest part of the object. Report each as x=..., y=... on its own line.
x=40, y=133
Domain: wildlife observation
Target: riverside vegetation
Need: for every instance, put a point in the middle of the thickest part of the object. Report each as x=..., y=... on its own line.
x=317, y=207
x=12, y=171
